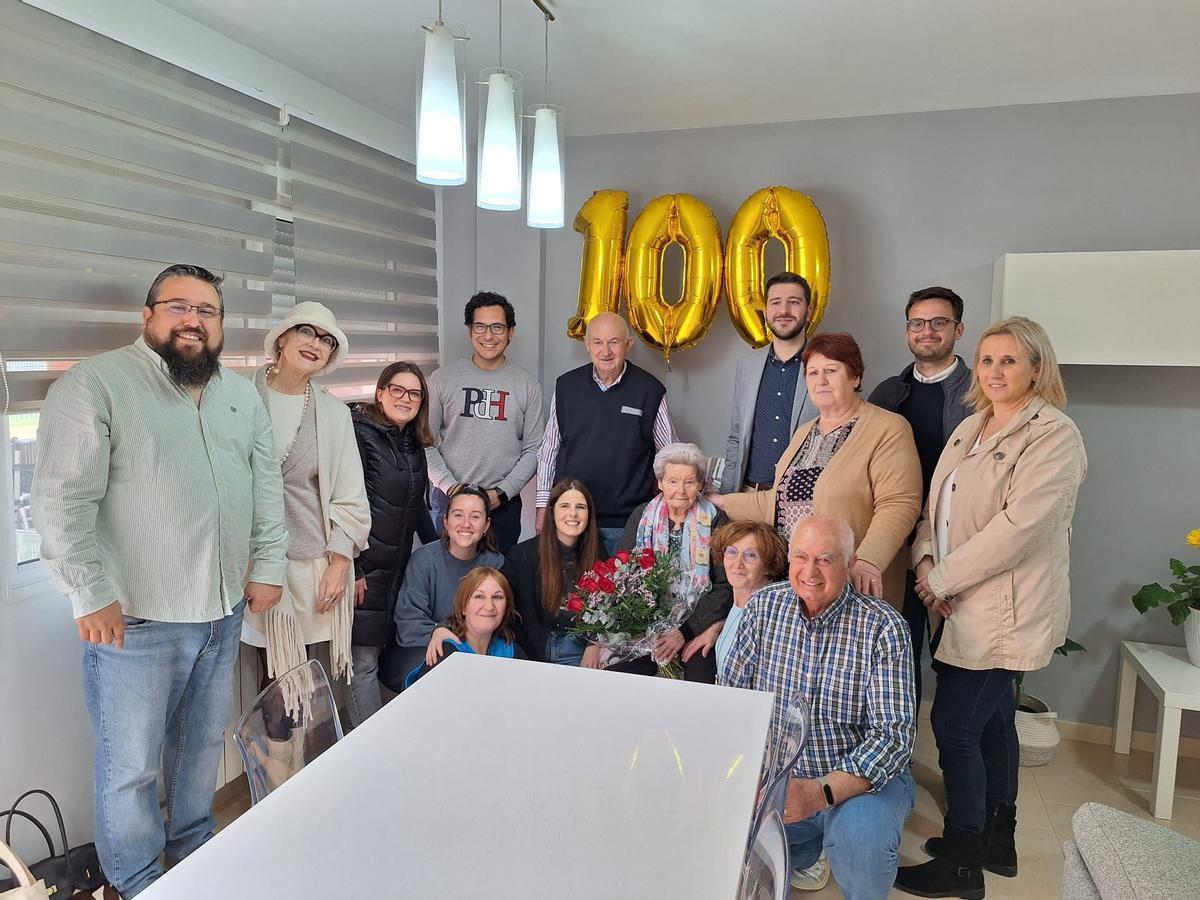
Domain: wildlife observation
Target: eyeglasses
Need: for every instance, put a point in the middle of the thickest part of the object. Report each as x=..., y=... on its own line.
x=399, y=392
x=916, y=326
x=751, y=555
x=496, y=328
x=328, y=341
x=180, y=309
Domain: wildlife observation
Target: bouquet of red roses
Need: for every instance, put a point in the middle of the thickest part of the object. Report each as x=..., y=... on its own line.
x=624, y=603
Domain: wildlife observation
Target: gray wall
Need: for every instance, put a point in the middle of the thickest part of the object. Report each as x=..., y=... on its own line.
x=913, y=200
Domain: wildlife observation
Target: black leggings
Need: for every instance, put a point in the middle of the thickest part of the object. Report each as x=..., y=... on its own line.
x=699, y=668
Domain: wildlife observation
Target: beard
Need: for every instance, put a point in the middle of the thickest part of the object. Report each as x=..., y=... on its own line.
x=788, y=335
x=931, y=352
x=188, y=370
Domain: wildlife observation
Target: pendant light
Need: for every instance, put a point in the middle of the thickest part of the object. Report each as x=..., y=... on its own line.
x=545, y=207
x=500, y=130
x=441, y=105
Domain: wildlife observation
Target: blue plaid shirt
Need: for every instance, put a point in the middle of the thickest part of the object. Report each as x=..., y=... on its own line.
x=853, y=664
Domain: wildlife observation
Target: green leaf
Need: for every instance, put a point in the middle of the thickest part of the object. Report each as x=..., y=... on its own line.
x=1195, y=570
x=1179, y=610
x=1070, y=646
x=1178, y=569
x=1150, y=596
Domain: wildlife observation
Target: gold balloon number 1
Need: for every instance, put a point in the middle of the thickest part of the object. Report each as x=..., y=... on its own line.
x=774, y=212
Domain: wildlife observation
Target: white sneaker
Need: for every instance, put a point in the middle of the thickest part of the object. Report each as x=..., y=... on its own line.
x=813, y=878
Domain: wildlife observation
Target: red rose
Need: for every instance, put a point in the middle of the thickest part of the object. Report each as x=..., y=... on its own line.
x=600, y=568
x=623, y=556
x=647, y=560
x=588, y=584
x=607, y=585
x=647, y=553
x=575, y=604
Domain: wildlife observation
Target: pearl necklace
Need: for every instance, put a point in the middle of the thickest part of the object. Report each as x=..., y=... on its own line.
x=303, y=413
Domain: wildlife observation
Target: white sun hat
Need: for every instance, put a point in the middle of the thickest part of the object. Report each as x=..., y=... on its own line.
x=311, y=313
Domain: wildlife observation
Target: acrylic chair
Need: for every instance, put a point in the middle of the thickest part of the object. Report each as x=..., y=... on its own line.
x=767, y=869
x=292, y=722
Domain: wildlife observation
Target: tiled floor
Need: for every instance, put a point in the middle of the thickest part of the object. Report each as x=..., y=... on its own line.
x=1048, y=797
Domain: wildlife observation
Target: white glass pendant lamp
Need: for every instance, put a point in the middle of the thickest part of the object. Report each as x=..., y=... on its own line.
x=441, y=105
x=545, y=209
x=500, y=144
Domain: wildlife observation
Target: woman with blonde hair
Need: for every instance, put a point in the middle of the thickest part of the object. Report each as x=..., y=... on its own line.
x=992, y=560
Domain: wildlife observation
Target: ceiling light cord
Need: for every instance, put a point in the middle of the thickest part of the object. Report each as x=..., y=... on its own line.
x=547, y=75
x=500, y=34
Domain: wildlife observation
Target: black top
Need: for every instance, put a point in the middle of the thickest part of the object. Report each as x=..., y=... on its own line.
x=923, y=409
x=714, y=604
x=607, y=438
x=394, y=469
x=522, y=568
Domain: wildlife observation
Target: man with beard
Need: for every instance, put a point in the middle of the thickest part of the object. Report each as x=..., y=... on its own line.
x=159, y=501
x=929, y=394
x=770, y=397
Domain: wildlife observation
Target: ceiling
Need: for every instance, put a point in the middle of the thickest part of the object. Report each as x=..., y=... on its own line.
x=648, y=65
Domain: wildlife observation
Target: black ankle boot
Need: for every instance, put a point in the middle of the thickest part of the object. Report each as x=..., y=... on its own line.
x=1001, y=854
x=999, y=841
x=958, y=872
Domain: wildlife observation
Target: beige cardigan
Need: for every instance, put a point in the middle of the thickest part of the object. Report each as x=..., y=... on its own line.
x=1008, y=570
x=873, y=484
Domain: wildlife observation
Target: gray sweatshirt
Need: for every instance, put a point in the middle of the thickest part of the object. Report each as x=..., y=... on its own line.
x=427, y=595
x=488, y=426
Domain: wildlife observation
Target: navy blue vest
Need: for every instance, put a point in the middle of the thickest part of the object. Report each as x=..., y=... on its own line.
x=607, y=438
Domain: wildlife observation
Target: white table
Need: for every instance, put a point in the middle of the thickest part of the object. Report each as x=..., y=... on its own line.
x=508, y=779
x=1175, y=683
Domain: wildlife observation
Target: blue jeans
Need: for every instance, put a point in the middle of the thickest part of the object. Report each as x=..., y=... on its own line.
x=861, y=838
x=564, y=648
x=164, y=699
x=973, y=720
x=609, y=538
x=363, y=699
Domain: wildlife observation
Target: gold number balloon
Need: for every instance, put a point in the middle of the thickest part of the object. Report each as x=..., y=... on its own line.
x=673, y=219
x=793, y=219
x=602, y=221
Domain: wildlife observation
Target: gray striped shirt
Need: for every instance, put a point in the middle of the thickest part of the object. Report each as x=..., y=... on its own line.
x=143, y=497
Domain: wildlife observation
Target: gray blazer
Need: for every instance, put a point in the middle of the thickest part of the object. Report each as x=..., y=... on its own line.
x=741, y=424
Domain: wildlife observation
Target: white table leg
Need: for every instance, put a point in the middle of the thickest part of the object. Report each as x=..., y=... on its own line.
x=1126, y=689
x=1166, y=754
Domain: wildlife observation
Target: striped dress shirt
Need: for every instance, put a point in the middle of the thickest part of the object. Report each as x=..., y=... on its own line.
x=144, y=497
x=853, y=664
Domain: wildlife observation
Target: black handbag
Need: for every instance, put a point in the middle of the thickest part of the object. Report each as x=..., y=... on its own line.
x=75, y=869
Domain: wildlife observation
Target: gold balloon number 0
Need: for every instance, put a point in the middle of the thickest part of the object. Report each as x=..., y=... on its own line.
x=775, y=212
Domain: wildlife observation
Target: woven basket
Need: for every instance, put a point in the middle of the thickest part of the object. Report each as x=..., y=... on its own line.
x=1036, y=732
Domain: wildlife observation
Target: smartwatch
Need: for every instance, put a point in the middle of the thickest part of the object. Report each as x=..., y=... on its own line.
x=826, y=790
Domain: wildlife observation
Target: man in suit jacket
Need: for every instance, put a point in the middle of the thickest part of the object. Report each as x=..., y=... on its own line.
x=770, y=397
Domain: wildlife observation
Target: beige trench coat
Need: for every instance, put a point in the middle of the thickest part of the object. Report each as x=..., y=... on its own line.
x=1007, y=572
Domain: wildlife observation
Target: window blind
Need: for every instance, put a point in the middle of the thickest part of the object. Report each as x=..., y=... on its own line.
x=114, y=164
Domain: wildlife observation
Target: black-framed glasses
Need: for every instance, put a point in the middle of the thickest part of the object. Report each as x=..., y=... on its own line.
x=400, y=392
x=496, y=328
x=938, y=323
x=179, y=309
x=327, y=340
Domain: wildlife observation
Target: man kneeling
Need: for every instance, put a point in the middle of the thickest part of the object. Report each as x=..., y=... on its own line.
x=851, y=657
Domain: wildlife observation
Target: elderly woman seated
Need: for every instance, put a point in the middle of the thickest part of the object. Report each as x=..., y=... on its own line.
x=680, y=521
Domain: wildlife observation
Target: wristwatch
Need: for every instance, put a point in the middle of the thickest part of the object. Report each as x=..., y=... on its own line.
x=501, y=497
x=826, y=790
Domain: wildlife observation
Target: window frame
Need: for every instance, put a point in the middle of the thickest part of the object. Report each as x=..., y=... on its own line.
x=17, y=580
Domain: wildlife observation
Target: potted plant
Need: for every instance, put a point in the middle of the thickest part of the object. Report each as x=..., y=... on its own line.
x=1037, y=734
x=1180, y=599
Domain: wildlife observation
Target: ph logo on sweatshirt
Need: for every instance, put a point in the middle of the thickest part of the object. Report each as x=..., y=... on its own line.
x=480, y=403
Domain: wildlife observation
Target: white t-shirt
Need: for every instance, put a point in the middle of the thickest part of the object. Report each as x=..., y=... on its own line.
x=286, y=411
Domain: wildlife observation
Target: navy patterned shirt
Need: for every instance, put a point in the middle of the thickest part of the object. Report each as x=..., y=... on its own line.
x=772, y=428
x=853, y=663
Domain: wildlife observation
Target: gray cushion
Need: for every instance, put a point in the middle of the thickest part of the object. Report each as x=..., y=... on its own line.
x=1132, y=859
x=1077, y=883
